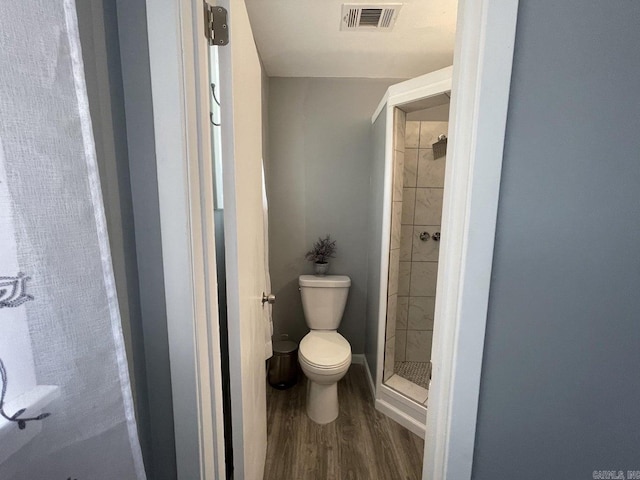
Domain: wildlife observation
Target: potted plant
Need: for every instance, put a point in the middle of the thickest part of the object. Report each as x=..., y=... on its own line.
x=322, y=251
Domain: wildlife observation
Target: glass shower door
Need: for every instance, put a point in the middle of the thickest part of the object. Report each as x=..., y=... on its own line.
x=409, y=131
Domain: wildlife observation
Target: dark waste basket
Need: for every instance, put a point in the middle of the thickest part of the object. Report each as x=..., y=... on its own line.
x=283, y=365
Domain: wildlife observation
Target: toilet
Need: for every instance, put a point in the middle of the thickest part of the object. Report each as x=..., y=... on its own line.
x=324, y=354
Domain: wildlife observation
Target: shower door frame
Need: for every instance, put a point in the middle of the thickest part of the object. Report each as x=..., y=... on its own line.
x=480, y=85
x=405, y=411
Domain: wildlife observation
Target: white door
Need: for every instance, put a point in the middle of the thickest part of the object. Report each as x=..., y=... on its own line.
x=241, y=142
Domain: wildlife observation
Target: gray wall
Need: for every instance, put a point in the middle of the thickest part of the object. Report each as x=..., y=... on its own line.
x=100, y=66
x=561, y=372
x=136, y=80
x=97, y=22
x=318, y=183
x=115, y=52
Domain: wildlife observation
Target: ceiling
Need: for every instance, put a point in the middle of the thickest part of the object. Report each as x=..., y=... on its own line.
x=302, y=38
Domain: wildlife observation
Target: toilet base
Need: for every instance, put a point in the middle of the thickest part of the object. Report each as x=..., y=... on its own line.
x=322, y=402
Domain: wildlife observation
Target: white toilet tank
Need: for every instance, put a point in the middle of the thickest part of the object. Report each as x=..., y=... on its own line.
x=323, y=300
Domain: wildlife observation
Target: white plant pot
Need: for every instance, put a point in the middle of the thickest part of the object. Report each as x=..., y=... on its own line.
x=321, y=269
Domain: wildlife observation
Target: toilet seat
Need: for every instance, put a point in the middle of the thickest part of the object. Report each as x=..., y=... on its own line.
x=325, y=350
x=323, y=374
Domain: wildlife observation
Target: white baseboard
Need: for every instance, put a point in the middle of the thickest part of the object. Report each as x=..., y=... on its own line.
x=361, y=359
x=372, y=385
x=358, y=359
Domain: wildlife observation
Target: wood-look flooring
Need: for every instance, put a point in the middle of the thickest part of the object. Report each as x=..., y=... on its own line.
x=362, y=444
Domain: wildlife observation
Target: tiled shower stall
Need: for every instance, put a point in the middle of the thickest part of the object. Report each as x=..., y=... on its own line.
x=418, y=184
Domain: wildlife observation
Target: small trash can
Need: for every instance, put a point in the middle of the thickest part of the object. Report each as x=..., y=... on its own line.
x=283, y=365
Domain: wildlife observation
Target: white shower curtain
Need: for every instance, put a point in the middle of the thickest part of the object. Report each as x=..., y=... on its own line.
x=66, y=410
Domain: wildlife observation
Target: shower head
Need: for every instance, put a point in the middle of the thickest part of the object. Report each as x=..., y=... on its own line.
x=440, y=147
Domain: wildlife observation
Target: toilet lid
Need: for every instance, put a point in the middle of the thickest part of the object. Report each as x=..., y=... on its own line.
x=327, y=281
x=325, y=349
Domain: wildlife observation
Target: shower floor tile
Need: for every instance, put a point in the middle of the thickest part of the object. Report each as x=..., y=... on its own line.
x=416, y=372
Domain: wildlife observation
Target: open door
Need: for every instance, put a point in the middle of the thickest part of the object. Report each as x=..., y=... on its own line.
x=240, y=98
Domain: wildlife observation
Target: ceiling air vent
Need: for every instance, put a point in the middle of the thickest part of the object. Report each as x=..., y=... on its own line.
x=357, y=16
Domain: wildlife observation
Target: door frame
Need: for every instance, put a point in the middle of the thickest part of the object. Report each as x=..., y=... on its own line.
x=179, y=75
x=482, y=65
x=481, y=81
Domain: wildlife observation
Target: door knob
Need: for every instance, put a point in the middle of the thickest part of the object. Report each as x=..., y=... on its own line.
x=271, y=298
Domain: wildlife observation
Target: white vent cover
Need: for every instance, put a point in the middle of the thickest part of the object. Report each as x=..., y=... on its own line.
x=359, y=16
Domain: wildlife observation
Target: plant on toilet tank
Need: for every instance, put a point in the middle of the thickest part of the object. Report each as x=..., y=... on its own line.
x=320, y=253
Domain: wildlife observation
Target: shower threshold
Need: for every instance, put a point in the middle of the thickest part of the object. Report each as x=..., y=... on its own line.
x=407, y=388
x=404, y=395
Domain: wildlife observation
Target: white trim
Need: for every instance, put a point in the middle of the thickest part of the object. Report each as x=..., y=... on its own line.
x=480, y=92
x=401, y=409
x=386, y=242
x=361, y=359
x=208, y=363
x=185, y=187
x=358, y=359
x=371, y=383
x=480, y=95
x=416, y=88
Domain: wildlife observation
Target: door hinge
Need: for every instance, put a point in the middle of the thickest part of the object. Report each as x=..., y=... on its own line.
x=216, y=28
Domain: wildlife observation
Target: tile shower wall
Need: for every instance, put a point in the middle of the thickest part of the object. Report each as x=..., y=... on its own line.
x=420, y=211
x=399, y=120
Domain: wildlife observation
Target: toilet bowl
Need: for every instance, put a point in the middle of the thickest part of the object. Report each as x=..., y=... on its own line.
x=324, y=355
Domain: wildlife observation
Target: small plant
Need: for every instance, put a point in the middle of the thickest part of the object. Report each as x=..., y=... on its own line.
x=322, y=250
